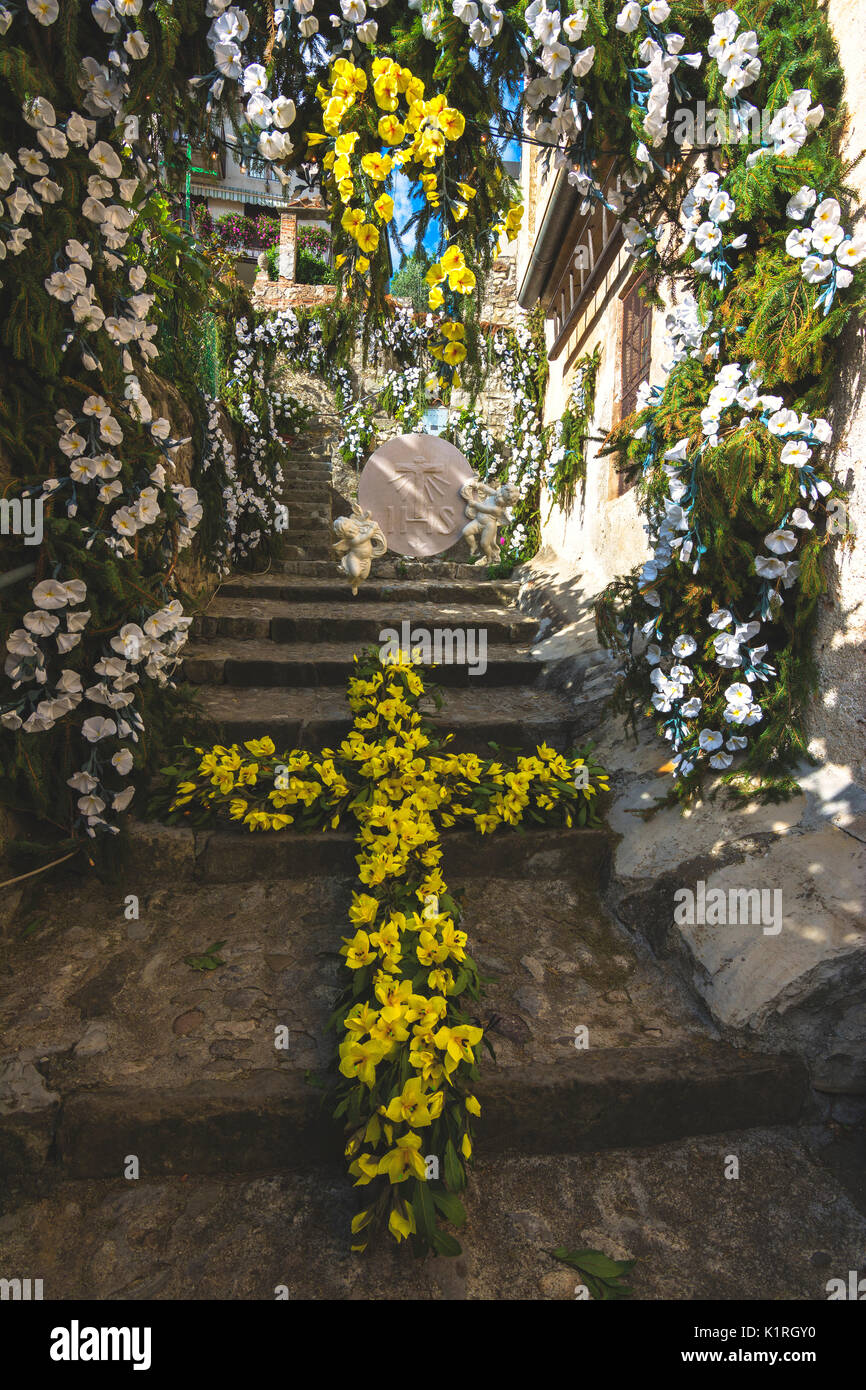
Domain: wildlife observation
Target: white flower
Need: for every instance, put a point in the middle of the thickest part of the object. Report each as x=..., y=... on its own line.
x=781, y=542
x=53, y=142
x=628, y=18
x=97, y=728
x=122, y=761
x=816, y=268
x=799, y=204
x=768, y=568
x=555, y=59
x=48, y=190
x=50, y=593
x=684, y=645
x=707, y=236
x=354, y=11
x=709, y=740
x=44, y=11
x=850, y=252
x=136, y=44
x=739, y=693
x=691, y=708
x=801, y=519
x=799, y=242
x=827, y=213
x=41, y=622
x=720, y=618
x=106, y=159
x=825, y=239
x=727, y=648
x=121, y=800
x=721, y=761
x=283, y=112
x=574, y=25
x=583, y=62
x=105, y=15
x=722, y=207
x=796, y=454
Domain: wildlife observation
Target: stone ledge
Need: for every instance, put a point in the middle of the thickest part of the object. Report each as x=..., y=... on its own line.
x=271, y=1121
x=224, y=856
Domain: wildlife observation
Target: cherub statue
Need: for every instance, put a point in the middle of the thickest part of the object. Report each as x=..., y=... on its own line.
x=487, y=509
x=359, y=541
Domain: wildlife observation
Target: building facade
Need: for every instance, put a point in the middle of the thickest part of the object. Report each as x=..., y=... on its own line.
x=575, y=265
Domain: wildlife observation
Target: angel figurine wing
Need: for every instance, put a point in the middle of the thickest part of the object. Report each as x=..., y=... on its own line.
x=474, y=492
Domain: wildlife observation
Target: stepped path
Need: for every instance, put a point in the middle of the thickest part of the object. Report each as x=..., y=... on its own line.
x=115, y=1045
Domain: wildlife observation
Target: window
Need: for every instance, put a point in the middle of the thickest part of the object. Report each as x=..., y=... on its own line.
x=637, y=317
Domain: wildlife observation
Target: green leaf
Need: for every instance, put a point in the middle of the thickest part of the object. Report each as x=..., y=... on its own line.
x=455, y=1174
x=425, y=1212
x=450, y=1206
x=445, y=1244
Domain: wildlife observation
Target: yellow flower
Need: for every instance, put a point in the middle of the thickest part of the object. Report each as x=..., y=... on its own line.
x=401, y=1222
x=415, y=1106
x=457, y=1044
x=359, y=1060
x=261, y=747
x=453, y=123
x=351, y=220
x=462, y=280
x=473, y=1105
x=466, y=1146
x=363, y=909
x=358, y=950
x=385, y=90
x=391, y=130
x=362, y=265
x=435, y=298
x=377, y=166
x=452, y=260
x=454, y=352
x=404, y=1161
x=345, y=144
x=384, y=205
x=367, y=237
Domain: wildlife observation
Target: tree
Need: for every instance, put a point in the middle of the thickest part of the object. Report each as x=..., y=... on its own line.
x=408, y=281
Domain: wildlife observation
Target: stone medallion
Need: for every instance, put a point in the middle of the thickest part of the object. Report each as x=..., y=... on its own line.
x=411, y=486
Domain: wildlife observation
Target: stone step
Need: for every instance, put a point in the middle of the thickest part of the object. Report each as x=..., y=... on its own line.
x=575, y=856
x=312, y=590
x=307, y=551
x=604, y=1099
x=279, y=1234
x=263, y=662
x=257, y=618
x=311, y=718
x=394, y=568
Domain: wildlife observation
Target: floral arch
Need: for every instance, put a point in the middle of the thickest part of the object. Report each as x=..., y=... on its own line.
x=100, y=106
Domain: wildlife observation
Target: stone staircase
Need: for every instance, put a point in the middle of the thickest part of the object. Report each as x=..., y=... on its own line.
x=116, y=1046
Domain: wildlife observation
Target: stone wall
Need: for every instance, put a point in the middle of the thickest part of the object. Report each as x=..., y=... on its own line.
x=837, y=717
x=285, y=292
